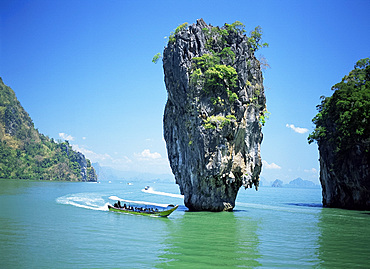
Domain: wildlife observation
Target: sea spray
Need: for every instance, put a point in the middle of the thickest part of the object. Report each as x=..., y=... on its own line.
x=152, y=191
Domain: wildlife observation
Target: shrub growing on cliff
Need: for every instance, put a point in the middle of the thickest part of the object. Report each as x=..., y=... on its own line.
x=344, y=118
x=255, y=39
x=156, y=57
x=208, y=71
x=214, y=122
x=236, y=26
x=205, y=61
x=220, y=76
x=264, y=116
x=177, y=30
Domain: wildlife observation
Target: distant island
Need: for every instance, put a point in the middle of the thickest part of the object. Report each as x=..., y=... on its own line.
x=27, y=154
x=277, y=183
x=295, y=183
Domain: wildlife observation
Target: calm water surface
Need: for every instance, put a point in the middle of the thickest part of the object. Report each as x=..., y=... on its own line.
x=67, y=225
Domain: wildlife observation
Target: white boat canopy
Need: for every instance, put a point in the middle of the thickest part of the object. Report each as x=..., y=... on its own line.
x=137, y=202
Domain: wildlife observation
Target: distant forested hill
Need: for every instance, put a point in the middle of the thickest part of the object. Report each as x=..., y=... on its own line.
x=27, y=154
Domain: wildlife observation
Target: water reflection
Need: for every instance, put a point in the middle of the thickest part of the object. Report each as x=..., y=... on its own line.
x=345, y=239
x=209, y=240
x=13, y=187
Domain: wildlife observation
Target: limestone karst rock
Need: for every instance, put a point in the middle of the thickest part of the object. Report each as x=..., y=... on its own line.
x=214, y=113
x=348, y=185
x=343, y=135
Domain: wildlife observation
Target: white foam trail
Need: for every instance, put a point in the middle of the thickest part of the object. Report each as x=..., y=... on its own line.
x=83, y=200
x=150, y=190
x=115, y=198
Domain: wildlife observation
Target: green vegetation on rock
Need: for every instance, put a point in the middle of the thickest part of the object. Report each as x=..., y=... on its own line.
x=172, y=38
x=214, y=122
x=214, y=71
x=255, y=39
x=237, y=27
x=213, y=76
x=264, y=116
x=156, y=57
x=27, y=154
x=344, y=118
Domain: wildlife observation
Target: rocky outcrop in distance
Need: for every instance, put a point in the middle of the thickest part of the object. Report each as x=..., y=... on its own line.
x=214, y=113
x=301, y=183
x=87, y=172
x=295, y=183
x=277, y=183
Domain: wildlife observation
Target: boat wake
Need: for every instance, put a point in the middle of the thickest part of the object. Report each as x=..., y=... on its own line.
x=84, y=200
x=150, y=190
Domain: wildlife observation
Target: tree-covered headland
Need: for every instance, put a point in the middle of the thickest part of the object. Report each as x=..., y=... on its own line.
x=343, y=136
x=343, y=118
x=27, y=154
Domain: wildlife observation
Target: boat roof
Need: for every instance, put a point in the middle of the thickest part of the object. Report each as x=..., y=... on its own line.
x=137, y=202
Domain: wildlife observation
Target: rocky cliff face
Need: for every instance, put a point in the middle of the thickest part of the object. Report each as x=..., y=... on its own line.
x=86, y=171
x=213, y=115
x=346, y=182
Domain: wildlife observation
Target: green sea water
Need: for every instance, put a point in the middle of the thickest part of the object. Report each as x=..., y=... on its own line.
x=67, y=225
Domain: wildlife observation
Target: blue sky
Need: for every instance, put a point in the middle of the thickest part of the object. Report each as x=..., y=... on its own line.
x=82, y=70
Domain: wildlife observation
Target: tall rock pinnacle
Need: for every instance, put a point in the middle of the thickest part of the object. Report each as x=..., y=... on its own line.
x=214, y=113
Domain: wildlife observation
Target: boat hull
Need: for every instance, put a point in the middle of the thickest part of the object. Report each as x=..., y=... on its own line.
x=164, y=213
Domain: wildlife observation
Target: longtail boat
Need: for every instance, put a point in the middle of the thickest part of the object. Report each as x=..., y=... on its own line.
x=142, y=208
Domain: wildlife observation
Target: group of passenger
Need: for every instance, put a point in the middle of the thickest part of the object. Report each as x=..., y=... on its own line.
x=138, y=209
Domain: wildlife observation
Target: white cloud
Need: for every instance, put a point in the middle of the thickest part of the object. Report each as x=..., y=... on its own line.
x=90, y=154
x=66, y=136
x=297, y=129
x=147, y=155
x=270, y=166
x=151, y=162
x=145, y=161
x=83, y=138
x=103, y=159
x=312, y=170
